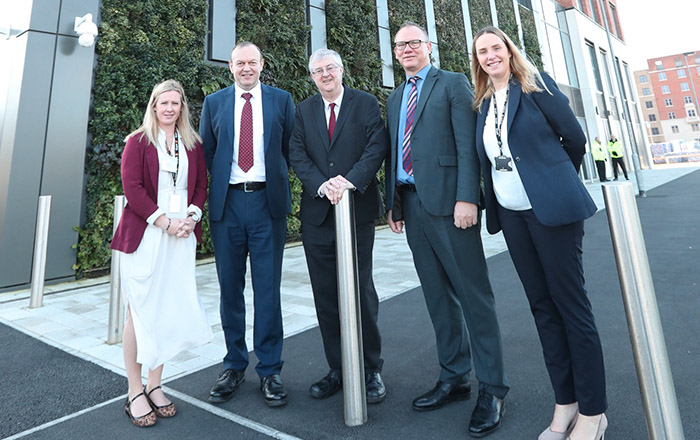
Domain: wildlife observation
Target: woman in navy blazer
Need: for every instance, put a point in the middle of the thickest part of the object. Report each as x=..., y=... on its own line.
x=165, y=184
x=530, y=146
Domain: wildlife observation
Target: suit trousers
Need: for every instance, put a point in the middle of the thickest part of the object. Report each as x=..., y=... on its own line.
x=246, y=227
x=600, y=165
x=550, y=266
x=619, y=162
x=319, y=247
x=452, y=270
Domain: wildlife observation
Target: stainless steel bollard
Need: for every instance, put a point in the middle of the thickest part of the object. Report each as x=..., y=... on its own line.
x=349, y=309
x=116, y=302
x=41, y=240
x=650, y=356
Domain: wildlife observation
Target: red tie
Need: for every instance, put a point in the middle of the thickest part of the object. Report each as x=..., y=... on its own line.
x=245, y=136
x=331, y=122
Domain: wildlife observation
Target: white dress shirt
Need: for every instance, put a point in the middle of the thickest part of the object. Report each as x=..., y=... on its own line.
x=257, y=172
x=507, y=185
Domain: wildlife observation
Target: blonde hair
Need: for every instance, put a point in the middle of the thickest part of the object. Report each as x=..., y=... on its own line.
x=149, y=126
x=521, y=68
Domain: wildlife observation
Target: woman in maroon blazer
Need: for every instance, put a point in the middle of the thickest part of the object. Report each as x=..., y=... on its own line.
x=165, y=184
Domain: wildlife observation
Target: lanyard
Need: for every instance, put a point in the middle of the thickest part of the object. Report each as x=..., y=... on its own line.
x=499, y=123
x=176, y=141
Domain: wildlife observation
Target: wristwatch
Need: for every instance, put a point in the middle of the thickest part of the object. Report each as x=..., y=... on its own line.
x=194, y=216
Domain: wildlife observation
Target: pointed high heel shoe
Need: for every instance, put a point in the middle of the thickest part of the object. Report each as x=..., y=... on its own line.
x=548, y=434
x=602, y=426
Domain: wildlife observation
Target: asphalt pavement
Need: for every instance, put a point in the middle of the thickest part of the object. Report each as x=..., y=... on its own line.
x=46, y=393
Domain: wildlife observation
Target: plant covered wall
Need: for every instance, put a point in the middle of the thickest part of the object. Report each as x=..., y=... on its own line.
x=143, y=42
x=506, y=20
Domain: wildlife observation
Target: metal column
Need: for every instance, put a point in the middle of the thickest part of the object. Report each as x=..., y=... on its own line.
x=115, y=327
x=41, y=240
x=647, y=337
x=349, y=309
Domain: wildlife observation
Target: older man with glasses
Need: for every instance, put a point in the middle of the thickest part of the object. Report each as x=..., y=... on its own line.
x=337, y=146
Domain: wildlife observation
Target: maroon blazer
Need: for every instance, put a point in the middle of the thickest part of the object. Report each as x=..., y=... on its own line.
x=140, y=182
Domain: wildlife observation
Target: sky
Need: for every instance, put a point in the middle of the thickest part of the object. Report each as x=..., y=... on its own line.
x=654, y=28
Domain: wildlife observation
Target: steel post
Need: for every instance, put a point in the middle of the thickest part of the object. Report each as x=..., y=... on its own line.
x=41, y=241
x=115, y=327
x=349, y=309
x=643, y=320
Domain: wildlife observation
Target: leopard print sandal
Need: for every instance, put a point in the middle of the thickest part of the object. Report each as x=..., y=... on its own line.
x=145, y=420
x=164, y=411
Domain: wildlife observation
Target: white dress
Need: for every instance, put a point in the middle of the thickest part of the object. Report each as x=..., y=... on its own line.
x=158, y=281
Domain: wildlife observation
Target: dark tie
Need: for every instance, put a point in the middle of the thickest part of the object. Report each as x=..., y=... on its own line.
x=245, y=136
x=410, y=114
x=331, y=122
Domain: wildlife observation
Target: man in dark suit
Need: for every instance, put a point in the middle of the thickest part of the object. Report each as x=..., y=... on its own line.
x=433, y=185
x=339, y=142
x=245, y=131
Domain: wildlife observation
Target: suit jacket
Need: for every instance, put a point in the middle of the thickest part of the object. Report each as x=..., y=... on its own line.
x=357, y=150
x=445, y=164
x=139, y=169
x=217, y=130
x=547, y=145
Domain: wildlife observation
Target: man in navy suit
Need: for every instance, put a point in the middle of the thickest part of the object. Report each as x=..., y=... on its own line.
x=433, y=185
x=245, y=131
x=339, y=142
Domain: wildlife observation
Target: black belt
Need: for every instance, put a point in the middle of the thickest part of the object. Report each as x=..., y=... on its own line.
x=248, y=186
x=407, y=187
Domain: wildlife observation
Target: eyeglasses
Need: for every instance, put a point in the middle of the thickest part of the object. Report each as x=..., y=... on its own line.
x=414, y=44
x=330, y=69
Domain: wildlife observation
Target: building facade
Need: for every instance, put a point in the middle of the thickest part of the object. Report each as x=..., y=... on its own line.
x=669, y=91
x=46, y=98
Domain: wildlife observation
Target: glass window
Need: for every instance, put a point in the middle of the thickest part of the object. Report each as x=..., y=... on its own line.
x=652, y=118
x=695, y=127
x=671, y=115
x=615, y=20
x=688, y=99
x=674, y=128
x=698, y=70
x=678, y=62
x=681, y=73
x=606, y=70
x=646, y=91
x=685, y=87
x=594, y=12
x=596, y=68
x=659, y=64
x=662, y=76
x=691, y=112
x=669, y=102
x=643, y=79
x=665, y=90
x=649, y=104
x=654, y=130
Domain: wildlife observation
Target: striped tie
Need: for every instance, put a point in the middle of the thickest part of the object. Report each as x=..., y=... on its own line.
x=410, y=114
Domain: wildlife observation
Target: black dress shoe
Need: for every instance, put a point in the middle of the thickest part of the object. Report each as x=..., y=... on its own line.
x=487, y=414
x=374, y=387
x=441, y=395
x=273, y=390
x=226, y=385
x=327, y=386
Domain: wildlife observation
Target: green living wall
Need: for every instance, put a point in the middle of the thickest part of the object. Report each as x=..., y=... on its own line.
x=506, y=20
x=143, y=42
x=452, y=41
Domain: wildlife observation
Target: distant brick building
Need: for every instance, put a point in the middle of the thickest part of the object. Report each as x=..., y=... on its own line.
x=668, y=91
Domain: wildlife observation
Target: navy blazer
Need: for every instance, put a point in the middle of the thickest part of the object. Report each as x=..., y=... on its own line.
x=547, y=145
x=216, y=127
x=356, y=151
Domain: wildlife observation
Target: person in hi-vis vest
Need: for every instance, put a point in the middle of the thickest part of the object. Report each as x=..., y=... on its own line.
x=616, y=153
x=599, y=156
